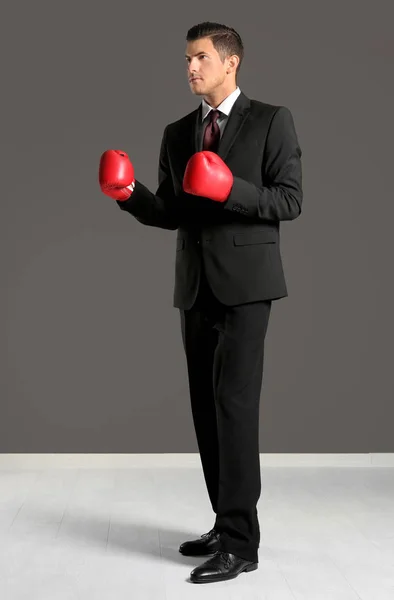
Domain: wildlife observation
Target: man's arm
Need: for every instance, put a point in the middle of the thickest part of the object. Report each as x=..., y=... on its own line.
x=280, y=199
x=156, y=210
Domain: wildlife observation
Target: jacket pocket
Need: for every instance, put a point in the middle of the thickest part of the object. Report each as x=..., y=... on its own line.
x=254, y=237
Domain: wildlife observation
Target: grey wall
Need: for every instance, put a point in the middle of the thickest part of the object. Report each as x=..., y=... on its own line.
x=93, y=359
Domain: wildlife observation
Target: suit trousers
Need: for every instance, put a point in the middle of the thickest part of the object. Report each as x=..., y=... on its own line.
x=224, y=347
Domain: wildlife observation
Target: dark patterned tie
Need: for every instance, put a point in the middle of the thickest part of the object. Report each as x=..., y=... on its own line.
x=212, y=132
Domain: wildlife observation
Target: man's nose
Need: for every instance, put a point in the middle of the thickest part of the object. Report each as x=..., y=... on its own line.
x=191, y=68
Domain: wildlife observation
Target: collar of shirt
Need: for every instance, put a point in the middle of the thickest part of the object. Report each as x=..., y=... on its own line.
x=224, y=107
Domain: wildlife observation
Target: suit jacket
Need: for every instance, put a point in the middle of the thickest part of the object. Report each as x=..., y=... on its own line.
x=238, y=240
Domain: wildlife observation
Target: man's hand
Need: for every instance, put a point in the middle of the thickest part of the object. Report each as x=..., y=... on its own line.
x=208, y=175
x=116, y=175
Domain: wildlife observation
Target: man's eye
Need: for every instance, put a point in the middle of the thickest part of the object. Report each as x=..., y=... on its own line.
x=201, y=56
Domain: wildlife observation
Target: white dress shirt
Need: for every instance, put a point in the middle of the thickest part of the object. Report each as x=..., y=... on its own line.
x=225, y=109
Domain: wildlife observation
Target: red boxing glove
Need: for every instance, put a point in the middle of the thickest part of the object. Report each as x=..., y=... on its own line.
x=208, y=175
x=116, y=175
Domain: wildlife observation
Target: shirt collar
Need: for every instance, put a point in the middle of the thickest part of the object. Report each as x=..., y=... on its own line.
x=224, y=107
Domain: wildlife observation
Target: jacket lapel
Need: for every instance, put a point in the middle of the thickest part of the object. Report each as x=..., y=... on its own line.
x=238, y=115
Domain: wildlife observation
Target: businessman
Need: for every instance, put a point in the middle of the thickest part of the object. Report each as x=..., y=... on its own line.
x=229, y=173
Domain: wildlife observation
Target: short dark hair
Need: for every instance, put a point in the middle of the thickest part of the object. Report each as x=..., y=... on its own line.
x=225, y=40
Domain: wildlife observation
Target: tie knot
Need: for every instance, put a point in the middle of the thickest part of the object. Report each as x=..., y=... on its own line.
x=214, y=115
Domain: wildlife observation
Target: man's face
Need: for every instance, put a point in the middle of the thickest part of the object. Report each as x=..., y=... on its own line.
x=204, y=64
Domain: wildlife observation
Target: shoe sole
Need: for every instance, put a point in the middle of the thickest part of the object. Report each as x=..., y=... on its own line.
x=198, y=554
x=214, y=578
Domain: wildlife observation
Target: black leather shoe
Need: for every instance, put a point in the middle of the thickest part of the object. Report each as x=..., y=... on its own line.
x=220, y=567
x=207, y=544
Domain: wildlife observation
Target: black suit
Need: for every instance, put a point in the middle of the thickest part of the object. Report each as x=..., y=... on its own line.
x=228, y=271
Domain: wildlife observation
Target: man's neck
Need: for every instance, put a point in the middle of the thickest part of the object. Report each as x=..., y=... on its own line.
x=217, y=97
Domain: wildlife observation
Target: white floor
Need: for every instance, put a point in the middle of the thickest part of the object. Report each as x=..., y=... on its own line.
x=94, y=534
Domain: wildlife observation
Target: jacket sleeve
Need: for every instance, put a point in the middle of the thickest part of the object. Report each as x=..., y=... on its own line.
x=160, y=209
x=280, y=198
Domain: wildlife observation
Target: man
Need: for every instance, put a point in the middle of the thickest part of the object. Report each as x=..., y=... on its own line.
x=229, y=172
